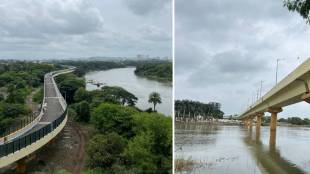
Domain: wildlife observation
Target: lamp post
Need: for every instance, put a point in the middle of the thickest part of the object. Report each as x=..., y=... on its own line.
x=277, y=70
x=261, y=88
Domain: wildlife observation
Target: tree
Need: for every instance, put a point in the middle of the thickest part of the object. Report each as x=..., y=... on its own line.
x=300, y=6
x=118, y=95
x=82, y=111
x=81, y=94
x=113, y=118
x=151, y=148
x=155, y=99
x=69, y=85
x=105, y=150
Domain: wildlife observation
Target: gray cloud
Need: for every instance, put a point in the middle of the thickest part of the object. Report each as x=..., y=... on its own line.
x=225, y=48
x=144, y=7
x=80, y=28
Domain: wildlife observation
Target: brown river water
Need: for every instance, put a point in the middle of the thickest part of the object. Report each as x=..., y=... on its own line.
x=220, y=149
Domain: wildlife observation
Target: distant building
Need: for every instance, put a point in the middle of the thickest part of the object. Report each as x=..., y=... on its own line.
x=215, y=105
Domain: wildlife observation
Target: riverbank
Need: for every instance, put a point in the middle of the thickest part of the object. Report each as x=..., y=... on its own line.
x=161, y=71
x=234, y=122
x=210, y=121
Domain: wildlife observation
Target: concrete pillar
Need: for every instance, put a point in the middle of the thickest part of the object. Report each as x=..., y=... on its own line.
x=273, y=125
x=274, y=114
x=258, y=124
x=259, y=121
x=250, y=123
x=21, y=166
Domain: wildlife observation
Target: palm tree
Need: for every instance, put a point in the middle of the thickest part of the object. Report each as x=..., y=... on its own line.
x=155, y=99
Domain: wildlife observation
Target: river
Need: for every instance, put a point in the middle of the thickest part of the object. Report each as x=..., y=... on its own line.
x=139, y=86
x=219, y=149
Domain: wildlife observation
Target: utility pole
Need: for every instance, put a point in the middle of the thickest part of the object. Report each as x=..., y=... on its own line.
x=277, y=70
x=261, y=88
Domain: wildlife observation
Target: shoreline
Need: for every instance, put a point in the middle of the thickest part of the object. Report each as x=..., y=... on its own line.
x=234, y=123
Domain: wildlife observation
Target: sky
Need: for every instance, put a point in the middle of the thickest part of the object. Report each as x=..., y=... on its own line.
x=224, y=48
x=32, y=29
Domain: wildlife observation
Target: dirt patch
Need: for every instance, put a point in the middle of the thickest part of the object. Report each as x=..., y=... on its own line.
x=66, y=151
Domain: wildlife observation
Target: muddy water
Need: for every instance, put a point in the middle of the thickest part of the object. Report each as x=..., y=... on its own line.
x=219, y=149
x=140, y=87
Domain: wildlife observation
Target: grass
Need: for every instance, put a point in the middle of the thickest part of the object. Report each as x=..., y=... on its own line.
x=182, y=165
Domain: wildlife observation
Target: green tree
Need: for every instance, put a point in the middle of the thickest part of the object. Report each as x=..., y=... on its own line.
x=14, y=110
x=300, y=6
x=151, y=148
x=81, y=94
x=1, y=97
x=69, y=86
x=113, y=118
x=105, y=150
x=82, y=111
x=155, y=99
x=139, y=153
x=119, y=95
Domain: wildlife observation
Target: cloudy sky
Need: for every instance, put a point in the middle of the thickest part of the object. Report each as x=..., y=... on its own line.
x=82, y=28
x=225, y=48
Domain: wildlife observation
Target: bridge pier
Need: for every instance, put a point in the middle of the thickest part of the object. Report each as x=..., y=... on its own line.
x=273, y=125
x=250, y=124
x=259, y=121
x=258, y=124
x=274, y=114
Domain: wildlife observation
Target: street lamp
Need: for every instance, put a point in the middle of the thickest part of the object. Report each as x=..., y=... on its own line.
x=261, y=88
x=277, y=70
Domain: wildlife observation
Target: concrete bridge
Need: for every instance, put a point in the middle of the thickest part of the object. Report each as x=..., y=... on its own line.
x=294, y=88
x=22, y=143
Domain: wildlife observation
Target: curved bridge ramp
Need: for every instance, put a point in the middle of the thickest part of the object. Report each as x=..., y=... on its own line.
x=53, y=118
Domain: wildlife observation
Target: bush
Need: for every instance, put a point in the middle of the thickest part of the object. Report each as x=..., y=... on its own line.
x=113, y=118
x=153, y=141
x=105, y=150
x=82, y=111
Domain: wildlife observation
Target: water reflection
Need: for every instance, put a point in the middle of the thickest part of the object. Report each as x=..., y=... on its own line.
x=218, y=149
x=269, y=159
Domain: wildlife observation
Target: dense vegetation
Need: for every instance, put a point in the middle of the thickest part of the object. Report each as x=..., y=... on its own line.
x=86, y=66
x=295, y=120
x=194, y=110
x=155, y=70
x=152, y=68
x=126, y=140
x=17, y=80
x=289, y=120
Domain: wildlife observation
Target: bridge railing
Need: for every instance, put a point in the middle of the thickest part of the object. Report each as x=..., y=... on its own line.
x=19, y=143
x=22, y=142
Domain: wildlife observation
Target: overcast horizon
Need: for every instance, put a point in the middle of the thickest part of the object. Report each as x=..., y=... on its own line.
x=50, y=29
x=224, y=50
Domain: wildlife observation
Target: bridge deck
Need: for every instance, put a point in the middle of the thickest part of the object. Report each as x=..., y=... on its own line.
x=53, y=107
x=287, y=92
